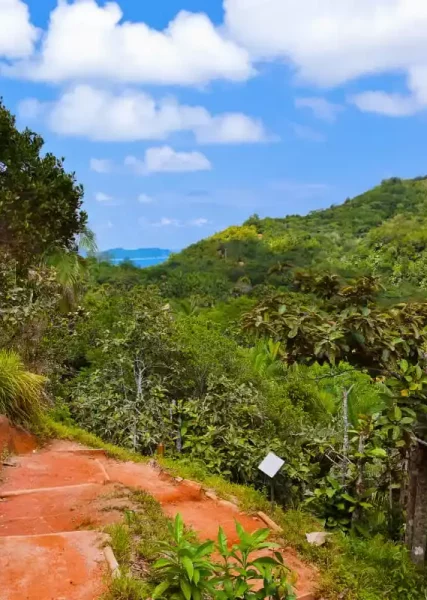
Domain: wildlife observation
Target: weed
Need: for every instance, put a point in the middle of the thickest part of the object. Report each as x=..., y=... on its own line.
x=127, y=588
x=120, y=542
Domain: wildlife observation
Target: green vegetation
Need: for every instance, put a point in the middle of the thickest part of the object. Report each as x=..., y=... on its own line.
x=21, y=392
x=188, y=571
x=380, y=233
x=306, y=336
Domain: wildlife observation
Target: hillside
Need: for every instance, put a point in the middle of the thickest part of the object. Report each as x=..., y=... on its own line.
x=382, y=232
x=324, y=376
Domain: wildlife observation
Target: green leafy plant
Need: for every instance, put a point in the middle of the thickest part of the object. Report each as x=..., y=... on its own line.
x=185, y=566
x=245, y=576
x=189, y=572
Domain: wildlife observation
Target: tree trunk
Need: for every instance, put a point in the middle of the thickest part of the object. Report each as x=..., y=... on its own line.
x=411, y=494
x=418, y=527
x=346, y=442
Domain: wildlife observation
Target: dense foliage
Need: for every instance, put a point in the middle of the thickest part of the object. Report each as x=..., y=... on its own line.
x=39, y=202
x=381, y=233
x=306, y=336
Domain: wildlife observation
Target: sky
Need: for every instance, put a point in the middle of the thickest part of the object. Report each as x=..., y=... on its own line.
x=183, y=117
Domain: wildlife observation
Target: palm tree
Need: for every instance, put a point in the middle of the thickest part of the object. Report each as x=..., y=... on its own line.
x=71, y=268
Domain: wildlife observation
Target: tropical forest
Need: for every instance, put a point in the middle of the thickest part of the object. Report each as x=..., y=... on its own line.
x=302, y=336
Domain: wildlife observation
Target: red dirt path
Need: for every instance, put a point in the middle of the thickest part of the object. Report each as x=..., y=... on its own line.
x=65, y=489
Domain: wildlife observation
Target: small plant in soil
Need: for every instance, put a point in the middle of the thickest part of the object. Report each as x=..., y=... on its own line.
x=189, y=571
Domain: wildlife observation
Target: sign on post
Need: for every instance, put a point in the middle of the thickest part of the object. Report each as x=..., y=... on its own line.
x=270, y=466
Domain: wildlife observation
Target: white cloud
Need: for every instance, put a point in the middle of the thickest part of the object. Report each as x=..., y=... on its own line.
x=340, y=41
x=165, y=159
x=101, y=165
x=200, y=222
x=392, y=105
x=231, y=128
x=330, y=42
x=171, y=222
x=101, y=115
x=87, y=41
x=145, y=199
x=17, y=34
x=167, y=222
x=307, y=133
x=321, y=108
x=101, y=197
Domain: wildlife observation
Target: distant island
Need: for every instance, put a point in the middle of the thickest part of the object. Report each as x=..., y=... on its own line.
x=140, y=257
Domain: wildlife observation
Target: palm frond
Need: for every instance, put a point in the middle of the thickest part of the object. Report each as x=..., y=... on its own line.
x=87, y=241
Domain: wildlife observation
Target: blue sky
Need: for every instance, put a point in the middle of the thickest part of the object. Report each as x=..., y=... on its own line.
x=183, y=117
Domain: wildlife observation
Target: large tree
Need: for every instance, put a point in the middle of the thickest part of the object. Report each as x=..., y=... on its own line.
x=391, y=345
x=40, y=203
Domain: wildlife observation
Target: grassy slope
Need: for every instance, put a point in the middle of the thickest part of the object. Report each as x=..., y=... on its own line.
x=383, y=231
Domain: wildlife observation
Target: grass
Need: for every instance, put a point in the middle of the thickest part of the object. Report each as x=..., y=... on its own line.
x=21, y=392
x=49, y=428
x=127, y=588
x=350, y=567
x=135, y=545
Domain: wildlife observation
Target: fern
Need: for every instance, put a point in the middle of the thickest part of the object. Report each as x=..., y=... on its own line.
x=21, y=392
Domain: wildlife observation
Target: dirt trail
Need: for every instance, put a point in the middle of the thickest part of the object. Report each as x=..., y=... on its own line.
x=55, y=501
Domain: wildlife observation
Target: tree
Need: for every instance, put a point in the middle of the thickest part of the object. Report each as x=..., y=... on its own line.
x=390, y=344
x=40, y=203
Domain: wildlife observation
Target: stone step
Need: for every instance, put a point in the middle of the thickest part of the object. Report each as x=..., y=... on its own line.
x=71, y=508
x=60, y=566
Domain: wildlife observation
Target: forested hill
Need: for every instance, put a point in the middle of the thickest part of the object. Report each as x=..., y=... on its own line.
x=382, y=232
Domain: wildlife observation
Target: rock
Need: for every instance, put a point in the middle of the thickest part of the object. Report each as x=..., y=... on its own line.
x=317, y=538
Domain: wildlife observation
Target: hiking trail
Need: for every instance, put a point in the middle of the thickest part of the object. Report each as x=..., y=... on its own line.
x=56, y=500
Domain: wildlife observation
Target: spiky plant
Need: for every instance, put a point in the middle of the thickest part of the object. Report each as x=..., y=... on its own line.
x=21, y=392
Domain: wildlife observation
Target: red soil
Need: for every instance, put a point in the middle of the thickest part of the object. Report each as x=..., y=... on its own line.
x=13, y=439
x=64, y=489
x=68, y=566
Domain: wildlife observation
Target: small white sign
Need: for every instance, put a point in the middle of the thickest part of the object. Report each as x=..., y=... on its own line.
x=271, y=464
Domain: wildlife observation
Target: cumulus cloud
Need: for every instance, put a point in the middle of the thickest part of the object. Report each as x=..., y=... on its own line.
x=17, y=34
x=87, y=41
x=320, y=107
x=391, y=105
x=231, y=128
x=165, y=159
x=341, y=40
x=101, y=165
x=101, y=115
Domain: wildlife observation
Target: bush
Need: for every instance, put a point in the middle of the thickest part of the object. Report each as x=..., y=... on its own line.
x=21, y=392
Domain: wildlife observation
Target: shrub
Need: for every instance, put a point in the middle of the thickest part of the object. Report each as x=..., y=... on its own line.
x=21, y=392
